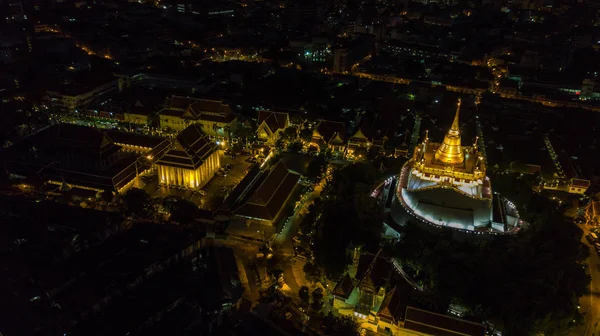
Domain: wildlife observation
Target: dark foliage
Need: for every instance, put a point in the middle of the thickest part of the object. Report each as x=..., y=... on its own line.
x=528, y=284
x=350, y=218
x=137, y=203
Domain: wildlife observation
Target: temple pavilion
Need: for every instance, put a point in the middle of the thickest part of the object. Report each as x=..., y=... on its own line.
x=192, y=160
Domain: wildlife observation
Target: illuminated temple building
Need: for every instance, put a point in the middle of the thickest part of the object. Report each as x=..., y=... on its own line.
x=445, y=184
x=82, y=157
x=192, y=160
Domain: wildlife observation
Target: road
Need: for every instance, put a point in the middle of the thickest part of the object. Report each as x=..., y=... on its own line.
x=284, y=244
x=590, y=304
x=284, y=241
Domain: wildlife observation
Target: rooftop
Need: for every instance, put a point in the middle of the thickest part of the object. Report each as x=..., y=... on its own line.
x=190, y=149
x=267, y=200
x=274, y=120
x=438, y=324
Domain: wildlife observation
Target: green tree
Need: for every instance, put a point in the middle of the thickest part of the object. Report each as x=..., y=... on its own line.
x=137, y=203
x=107, y=196
x=349, y=218
x=183, y=211
x=312, y=272
x=306, y=134
x=340, y=325
x=289, y=134
x=533, y=279
x=304, y=294
x=317, y=299
x=316, y=168
x=294, y=147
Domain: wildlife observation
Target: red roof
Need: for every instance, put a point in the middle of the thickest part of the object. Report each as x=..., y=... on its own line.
x=274, y=120
x=437, y=324
x=580, y=183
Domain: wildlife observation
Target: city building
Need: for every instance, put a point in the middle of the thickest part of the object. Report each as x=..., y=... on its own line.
x=347, y=55
x=75, y=95
x=77, y=156
x=266, y=202
x=214, y=116
x=270, y=125
x=445, y=185
x=192, y=160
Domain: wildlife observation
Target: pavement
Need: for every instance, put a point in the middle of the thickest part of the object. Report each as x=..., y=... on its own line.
x=214, y=188
x=215, y=193
x=590, y=303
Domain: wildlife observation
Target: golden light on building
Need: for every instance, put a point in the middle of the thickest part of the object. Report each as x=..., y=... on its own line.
x=192, y=160
x=451, y=151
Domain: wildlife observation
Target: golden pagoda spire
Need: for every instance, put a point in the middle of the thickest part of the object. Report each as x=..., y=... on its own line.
x=450, y=150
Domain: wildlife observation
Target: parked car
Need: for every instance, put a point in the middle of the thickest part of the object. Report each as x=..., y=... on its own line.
x=202, y=192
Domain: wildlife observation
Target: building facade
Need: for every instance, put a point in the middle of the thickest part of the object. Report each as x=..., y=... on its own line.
x=331, y=135
x=270, y=126
x=213, y=116
x=192, y=160
x=72, y=101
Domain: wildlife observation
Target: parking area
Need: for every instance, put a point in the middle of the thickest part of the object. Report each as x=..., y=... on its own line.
x=216, y=189
x=219, y=186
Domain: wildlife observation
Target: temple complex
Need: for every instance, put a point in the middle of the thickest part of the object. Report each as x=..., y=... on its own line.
x=445, y=184
x=192, y=160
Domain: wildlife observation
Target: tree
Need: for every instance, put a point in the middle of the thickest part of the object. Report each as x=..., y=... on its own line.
x=294, y=147
x=289, y=134
x=547, y=256
x=312, y=272
x=304, y=294
x=242, y=131
x=350, y=218
x=183, y=211
x=306, y=134
x=316, y=168
x=340, y=325
x=107, y=196
x=137, y=203
x=317, y=299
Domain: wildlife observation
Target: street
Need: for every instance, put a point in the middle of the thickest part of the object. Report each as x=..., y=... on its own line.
x=284, y=244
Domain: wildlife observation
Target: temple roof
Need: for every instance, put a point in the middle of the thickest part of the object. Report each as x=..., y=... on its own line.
x=329, y=130
x=344, y=287
x=451, y=150
x=274, y=120
x=391, y=307
x=194, y=108
x=438, y=324
x=271, y=195
x=190, y=149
